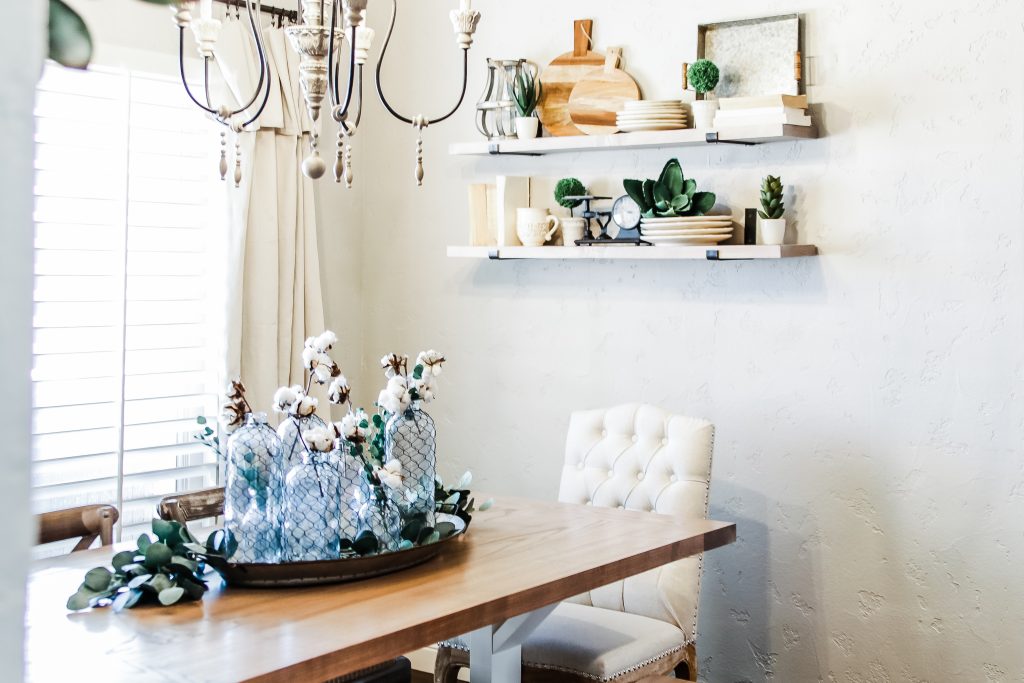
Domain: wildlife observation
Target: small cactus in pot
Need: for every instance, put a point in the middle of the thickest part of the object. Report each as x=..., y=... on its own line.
x=773, y=225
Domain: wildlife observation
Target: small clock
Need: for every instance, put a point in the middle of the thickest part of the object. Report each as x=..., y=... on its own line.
x=626, y=214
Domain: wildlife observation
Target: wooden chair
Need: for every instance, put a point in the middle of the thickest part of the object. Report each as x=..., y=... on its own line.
x=87, y=523
x=638, y=458
x=206, y=503
x=192, y=506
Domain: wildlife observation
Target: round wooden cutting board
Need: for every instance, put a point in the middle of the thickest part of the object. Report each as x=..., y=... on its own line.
x=597, y=97
x=562, y=75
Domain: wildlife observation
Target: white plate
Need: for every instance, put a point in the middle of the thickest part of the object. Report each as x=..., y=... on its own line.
x=695, y=232
x=687, y=219
x=694, y=239
x=640, y=104
x=651, y=122
x=634, y=128
x=644, y=114
x=642, y=119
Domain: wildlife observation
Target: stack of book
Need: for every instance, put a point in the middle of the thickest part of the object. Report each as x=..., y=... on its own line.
x=754, y=111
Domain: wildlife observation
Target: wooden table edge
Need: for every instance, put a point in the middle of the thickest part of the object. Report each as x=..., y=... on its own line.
x=355, y=658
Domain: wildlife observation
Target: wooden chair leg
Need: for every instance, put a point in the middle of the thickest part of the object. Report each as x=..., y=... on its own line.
x=687, y=669
x=446, y=669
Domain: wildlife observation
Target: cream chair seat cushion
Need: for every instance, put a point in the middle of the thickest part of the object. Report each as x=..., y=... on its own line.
x=598, y=643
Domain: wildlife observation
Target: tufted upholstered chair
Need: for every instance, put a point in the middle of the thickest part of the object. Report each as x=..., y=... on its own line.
x=635, y=457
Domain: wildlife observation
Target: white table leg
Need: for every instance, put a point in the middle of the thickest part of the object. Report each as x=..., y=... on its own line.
x=496, y=653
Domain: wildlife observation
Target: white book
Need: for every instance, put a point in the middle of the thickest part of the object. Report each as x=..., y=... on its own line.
x=752, y=117
x=760, y=101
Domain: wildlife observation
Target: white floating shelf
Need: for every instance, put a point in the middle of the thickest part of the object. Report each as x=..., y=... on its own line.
x=722, y=252
x=742, y=135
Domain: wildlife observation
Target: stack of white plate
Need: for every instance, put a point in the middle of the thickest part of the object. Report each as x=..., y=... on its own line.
x=651, y=115
x=687, y=229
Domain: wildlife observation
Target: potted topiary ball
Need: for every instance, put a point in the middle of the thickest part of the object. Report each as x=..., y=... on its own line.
x=773, y=225
x=703, y=77
x=573, y=228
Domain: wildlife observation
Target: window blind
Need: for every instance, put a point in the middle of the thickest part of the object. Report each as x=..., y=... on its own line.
x=127, y=199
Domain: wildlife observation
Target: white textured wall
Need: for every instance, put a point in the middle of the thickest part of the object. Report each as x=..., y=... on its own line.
x=867, y=402
x=21, y=53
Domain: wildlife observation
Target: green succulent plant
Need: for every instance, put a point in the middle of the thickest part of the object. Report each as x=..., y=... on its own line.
x=569, y=187
x=526, y=91
x=671, y=194
x=703, y=75
x=162, y=571
x=771, y=198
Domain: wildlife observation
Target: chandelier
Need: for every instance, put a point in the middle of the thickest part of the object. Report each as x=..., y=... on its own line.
x=325, y=26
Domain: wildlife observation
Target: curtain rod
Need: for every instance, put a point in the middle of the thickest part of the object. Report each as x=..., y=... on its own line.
x=279, y=12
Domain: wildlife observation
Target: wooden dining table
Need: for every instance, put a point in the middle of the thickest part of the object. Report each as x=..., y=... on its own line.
x=497, y=583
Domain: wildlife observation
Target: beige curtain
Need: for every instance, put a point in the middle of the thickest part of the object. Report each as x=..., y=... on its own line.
x=274, y=298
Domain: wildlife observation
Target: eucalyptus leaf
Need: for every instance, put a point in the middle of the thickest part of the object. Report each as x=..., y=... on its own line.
x=143, y=542
x=159, y=582
x=486, y=505
x=434, y=537
x=164, y=529
x=157, y=555
x=465, y=481
x=405, y=544
x=80, y=600
x=70, y=42
x=127, y=600
x=139, y=580
x=452, y=499
x=201, y=419
x=445, y=529
x=98, y=579
x=169, y=596
x=122, y=559
x=190, y=565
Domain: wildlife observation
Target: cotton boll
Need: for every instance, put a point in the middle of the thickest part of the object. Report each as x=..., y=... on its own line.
x=309, y=355
x=305, y=406
x=338, y=392
x=285, y=398
x=389, y=402
x=325, y=341
x=320, y=439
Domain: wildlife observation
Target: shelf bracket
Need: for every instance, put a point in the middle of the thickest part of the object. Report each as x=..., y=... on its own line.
x=493, y=255
x=494, y=149
x=711, y=255
x=711, y=137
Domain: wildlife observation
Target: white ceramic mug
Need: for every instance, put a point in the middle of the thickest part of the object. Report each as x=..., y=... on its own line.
x=535, y=226
x=573, y=229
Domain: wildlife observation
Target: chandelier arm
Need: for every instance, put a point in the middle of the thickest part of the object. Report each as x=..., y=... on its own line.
x=261, y=52
x=380, y=63
x=206, y=80
x=465, y=83
x=266, y=95
x=335, y=98
x=184, y=80
x=359, y=111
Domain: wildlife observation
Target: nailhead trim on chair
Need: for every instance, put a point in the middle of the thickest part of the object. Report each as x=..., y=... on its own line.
x=551, y=667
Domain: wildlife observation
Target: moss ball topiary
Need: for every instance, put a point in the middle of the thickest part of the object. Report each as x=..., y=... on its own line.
x=569, y=187
x=703, y=75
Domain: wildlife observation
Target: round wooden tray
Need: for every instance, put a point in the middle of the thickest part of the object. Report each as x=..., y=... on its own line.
x=292, y=574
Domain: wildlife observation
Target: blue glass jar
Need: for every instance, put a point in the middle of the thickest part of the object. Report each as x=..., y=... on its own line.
x=411, y=438
x=312, y=511
x=292, y=453
x=253, y=452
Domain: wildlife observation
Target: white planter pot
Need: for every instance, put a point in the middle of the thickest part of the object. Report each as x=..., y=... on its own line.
x=704, y=113
x=773, y=231
x=573, y=229
x=527, y=127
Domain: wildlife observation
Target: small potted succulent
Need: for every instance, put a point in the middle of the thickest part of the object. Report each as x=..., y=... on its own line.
x=526, y=91
x=671, y=195
x=703, y=77
x=773, y=225
x=573, y=228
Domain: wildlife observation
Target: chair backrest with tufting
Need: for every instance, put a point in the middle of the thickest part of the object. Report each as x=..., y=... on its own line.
x=639, y=457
